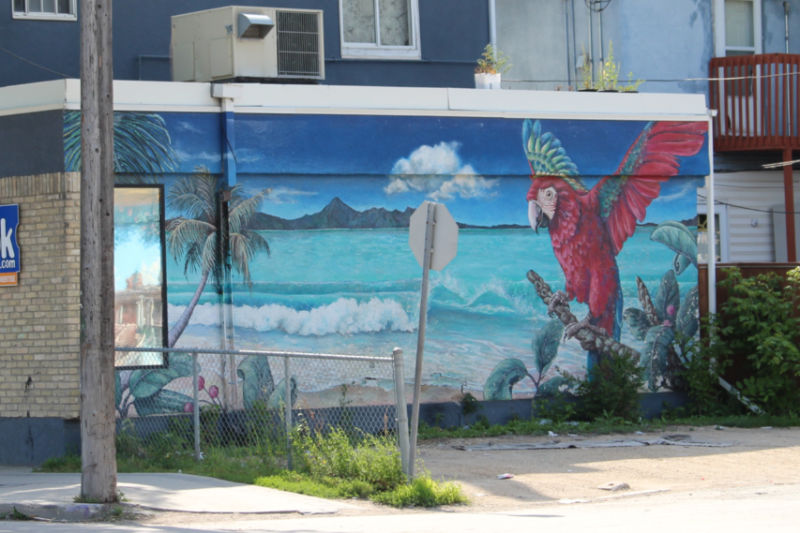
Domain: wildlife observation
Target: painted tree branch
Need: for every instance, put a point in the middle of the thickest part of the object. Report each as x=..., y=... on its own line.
x=589, y=339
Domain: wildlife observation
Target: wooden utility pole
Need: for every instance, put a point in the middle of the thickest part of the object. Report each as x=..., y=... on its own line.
x=98, y=449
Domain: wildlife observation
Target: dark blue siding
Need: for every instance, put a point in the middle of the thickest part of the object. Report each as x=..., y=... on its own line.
x=32, y=143
x=453, y=33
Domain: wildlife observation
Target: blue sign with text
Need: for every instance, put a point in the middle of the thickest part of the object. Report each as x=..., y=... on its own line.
x=9, y=247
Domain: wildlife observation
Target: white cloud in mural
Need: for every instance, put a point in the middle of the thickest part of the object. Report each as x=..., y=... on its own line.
x=286, y=195
x=151, y=273
x=439, y=172
x=207, y=157
x=248, y=155
x=190, y=127
x=688, y=188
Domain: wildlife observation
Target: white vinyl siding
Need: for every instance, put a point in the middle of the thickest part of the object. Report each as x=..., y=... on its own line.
x=748, y=199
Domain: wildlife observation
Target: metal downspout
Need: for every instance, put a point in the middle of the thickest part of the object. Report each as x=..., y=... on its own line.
x=786, y=24
x=566, y=43
x=493, y=23
x=226, y=94
x=711, y=220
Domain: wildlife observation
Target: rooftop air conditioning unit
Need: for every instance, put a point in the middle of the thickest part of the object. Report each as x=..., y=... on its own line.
x=248, y=43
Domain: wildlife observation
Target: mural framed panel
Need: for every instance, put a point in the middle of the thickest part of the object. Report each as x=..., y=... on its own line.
x=140, y=296
x=601, y=212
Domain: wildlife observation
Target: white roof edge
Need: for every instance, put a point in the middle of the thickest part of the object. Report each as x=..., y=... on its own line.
x=31, y=97
x=339, y=99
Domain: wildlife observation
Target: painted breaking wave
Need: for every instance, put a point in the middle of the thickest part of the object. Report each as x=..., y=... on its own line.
x=344, y=316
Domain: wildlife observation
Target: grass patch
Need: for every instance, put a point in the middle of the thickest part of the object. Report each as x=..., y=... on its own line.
x=65, y=463
x=335, y=464
x=605, y=425
x=340, y=465
x=15, y=515
x=326, y=487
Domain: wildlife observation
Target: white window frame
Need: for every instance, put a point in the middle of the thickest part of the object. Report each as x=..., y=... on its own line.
x=719, y=30
x=38, y=15
x=721, y=212
x=376, y=50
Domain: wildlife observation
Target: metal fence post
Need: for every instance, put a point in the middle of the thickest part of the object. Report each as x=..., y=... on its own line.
x=287, y=406
x=196, y=408
x=401, y=410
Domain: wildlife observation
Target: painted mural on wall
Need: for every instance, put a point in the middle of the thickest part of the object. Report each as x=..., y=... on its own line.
x=600, y=214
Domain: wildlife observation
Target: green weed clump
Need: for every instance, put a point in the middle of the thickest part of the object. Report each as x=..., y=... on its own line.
x=422, y=492
x=367, y=466
x=612, y=390
x=374, y=460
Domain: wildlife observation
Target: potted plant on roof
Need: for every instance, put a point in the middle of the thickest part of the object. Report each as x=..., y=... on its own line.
x=490, y=68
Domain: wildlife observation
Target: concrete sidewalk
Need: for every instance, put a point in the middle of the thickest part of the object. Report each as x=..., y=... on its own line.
x=52, y=496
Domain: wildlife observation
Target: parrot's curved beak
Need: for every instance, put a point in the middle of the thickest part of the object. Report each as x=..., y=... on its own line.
x=536, y=216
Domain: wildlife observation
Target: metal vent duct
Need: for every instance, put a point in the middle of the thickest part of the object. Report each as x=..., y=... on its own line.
x=254, y=26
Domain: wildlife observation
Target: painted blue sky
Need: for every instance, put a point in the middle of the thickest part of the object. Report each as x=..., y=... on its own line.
x=476, y=166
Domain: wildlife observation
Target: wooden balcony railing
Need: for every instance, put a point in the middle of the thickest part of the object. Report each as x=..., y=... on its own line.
x=757, y=99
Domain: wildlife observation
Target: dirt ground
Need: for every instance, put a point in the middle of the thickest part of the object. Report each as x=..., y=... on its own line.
x=699, y=459
x=572, y=470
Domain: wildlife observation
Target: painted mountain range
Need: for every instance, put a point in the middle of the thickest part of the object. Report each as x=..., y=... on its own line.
x=336, y=214
x=339, y=215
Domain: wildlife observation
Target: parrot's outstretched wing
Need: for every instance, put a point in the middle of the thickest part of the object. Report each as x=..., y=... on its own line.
x=546, y=155
x=623, y=197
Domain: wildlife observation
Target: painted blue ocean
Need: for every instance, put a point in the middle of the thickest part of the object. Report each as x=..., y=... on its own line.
x=358, y=292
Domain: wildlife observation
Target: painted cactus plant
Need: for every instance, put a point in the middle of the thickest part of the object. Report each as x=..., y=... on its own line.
x=665, y=322
x=508, y=372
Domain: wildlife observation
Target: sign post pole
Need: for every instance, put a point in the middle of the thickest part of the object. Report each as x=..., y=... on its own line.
x=430, y=223
x=434, y=251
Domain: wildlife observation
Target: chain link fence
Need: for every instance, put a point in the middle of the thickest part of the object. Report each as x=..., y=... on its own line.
x=216, y=398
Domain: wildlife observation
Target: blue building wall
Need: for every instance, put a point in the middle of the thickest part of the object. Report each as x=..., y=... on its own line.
x=668, y=45
x=453, y=34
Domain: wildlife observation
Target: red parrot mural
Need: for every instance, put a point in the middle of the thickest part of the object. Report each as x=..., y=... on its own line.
x=588, y=227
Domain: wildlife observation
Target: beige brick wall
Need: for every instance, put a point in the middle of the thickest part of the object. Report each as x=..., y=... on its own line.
x=40, y=331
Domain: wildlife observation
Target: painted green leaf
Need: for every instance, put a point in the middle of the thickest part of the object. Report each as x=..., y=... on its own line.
x=545, y=345
x=164, y=401
x=657, y=344
x=687, y=322
x=502, y=379
x=146, y=382
x=257, y=380
x=277, y=400
x=668, y=295
x=637, y=321
x=555, y=385
x=680, y=263
x=181, y=364
x=678, y=238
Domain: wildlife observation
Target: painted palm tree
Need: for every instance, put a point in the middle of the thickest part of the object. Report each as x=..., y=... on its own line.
x=142, y=144
x=194, y=238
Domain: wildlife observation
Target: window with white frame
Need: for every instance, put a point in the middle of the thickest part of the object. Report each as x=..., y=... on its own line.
x=720, y=233
x=737, y=27
x=386, y=29
x=45, y=9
